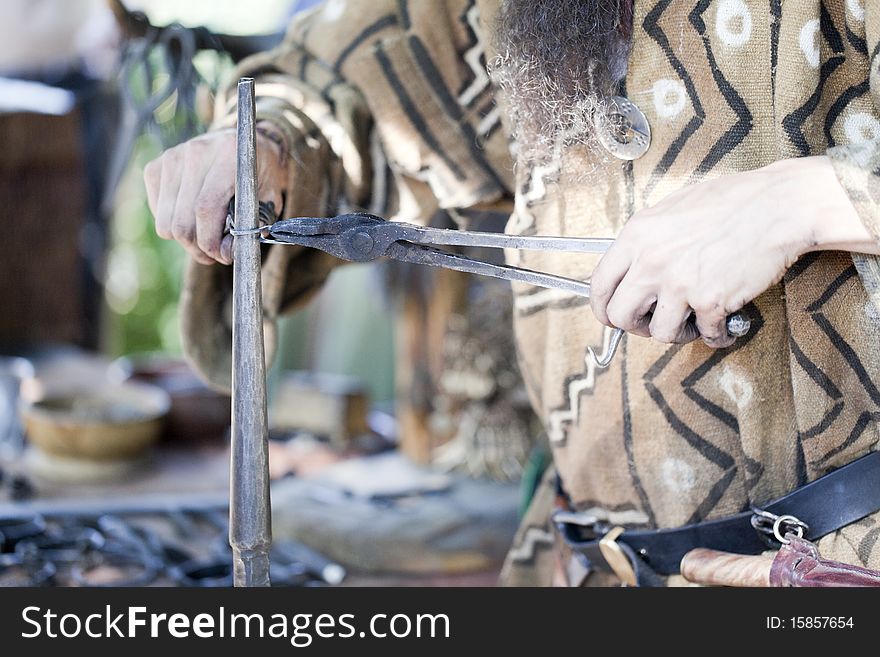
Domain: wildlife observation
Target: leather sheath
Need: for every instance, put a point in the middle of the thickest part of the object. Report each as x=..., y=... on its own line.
x=798, y=564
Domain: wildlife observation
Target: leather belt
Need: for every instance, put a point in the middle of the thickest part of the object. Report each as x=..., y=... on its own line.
x=835, y=500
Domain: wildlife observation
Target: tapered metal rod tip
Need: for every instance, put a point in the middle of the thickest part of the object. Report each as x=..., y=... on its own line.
x=250, y=531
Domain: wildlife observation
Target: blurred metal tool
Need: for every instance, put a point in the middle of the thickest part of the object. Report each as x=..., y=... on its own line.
x=360, y=237
x=250, y=531
x=13, y=372
x=146, y=544
x=293, y=552
x=144, y=86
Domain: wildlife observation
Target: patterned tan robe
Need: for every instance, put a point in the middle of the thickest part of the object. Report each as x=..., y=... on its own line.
x=667, y=435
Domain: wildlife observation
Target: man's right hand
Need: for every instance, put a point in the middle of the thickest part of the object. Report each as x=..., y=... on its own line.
x=189, y=187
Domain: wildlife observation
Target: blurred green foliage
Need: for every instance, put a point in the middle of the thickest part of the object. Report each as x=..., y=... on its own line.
x=144, y=272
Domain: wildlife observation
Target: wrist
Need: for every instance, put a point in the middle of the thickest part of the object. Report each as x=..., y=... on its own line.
x=814, y=210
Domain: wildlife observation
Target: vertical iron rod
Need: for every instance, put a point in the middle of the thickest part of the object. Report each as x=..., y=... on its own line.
x=250, y=530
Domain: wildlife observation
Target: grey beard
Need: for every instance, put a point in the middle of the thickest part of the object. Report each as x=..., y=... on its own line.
x=558, y=63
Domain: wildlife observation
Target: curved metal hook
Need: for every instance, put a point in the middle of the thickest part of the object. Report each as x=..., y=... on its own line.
x=738, y=325
x=605, y=359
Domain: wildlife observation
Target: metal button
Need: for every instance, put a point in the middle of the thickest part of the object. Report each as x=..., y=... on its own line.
x=623, y=130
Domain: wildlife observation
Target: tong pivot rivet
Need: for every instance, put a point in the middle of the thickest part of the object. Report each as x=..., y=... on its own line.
x=362, y=243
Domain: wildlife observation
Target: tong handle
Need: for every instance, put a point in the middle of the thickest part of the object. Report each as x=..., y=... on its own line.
x=738, y=325
x=452, y=237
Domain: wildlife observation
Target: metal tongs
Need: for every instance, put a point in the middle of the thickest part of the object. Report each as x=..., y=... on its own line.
x=361, y=237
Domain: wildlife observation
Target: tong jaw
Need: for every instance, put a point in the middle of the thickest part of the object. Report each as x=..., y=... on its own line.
x=357, y=237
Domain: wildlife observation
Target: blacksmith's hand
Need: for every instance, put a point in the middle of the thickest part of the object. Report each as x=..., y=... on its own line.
x=189, y=187
x=712, y=247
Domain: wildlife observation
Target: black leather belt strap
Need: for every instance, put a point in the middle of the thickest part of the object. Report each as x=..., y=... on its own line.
x=838, y=499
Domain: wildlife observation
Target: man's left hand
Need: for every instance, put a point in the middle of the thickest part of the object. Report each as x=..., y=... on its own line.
x=710, y=248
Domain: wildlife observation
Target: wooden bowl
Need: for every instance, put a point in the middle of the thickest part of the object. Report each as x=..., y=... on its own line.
x=198, y=414
x=110, y=424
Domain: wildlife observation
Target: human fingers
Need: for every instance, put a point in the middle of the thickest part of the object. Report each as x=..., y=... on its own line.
x=212, y=208
x=196, y=164
x=605, y=279
x=711, y=322
x=669, y=321
x=630, y=306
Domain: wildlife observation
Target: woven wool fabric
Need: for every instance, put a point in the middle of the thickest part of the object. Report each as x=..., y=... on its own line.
x=667, y=435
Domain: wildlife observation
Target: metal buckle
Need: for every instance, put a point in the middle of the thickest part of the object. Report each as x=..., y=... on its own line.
x=576, y=518
x=777, y=527
x=616, y=557
x=613, y=554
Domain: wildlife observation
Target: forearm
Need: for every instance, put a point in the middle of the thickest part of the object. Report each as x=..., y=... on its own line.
x=819, y=211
